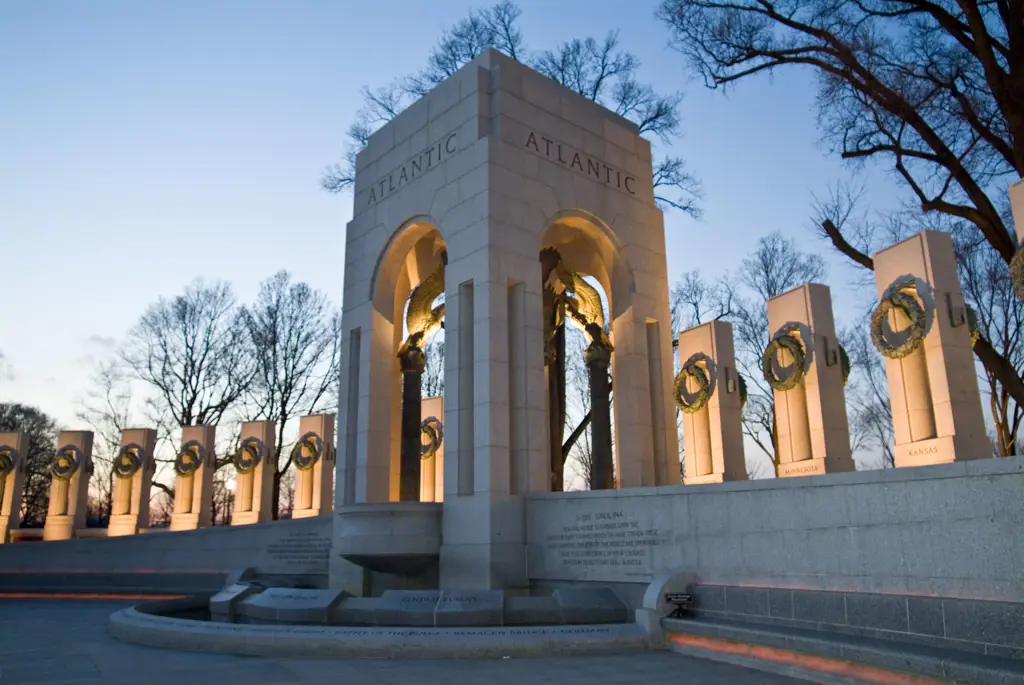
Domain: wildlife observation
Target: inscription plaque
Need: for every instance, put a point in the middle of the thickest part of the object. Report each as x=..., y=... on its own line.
x=607, y=542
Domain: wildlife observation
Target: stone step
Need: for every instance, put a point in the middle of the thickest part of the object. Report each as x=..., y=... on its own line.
x=110, y=582
x=918, y=663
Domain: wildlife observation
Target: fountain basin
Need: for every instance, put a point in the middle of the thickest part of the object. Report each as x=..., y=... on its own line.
x=402, y=538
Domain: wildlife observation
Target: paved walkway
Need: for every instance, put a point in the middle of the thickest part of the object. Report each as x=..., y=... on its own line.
x=58, y=641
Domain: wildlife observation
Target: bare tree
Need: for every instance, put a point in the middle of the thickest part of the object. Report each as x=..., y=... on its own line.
x=867, y=396
x=295, y=336
x=775, y=266
x=42, y=433
x=106, y=408
x=934, y=87
x=1000, y=319
x=984, y=280
x=596, y=69
x=694, y=301
x=192, y=352
x=433, y=373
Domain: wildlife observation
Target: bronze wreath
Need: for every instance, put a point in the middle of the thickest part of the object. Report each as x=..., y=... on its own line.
x=189, y=459
x=908, y=304
x=65, y=463
x=972, y=325
x=127, y=462
x=784, y=340
x=434, y=430
x=8, y=459
x=705, y=383
x=1017, y=272
x=306, y=452
x=248, y=456
x=844, y=364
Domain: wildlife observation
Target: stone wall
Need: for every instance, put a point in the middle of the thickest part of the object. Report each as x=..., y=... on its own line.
x=178, y=561
x=946, y=531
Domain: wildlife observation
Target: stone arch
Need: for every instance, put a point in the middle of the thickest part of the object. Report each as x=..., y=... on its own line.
x=593, y=248
x=589, y=247
x=412, y=252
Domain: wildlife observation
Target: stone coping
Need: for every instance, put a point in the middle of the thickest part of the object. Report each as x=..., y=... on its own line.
x=995, y=466
x=142, y=625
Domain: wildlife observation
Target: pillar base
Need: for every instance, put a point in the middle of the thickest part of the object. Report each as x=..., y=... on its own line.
x=59, y=527
x=807, y=467
x=122, y=524
x=244, y=518
x=5, y=521
x=707, y=478
x=187, y=521
x=928, y=452
x=308, y=513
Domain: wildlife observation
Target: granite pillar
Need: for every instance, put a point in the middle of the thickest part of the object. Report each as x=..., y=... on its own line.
x=134, y=467
x=803, y=364
x=313, y=458
x=708, y=394
x=69, y=485
x=254, y=467
x=921, y=327
x=194, y=467
x=13, y=453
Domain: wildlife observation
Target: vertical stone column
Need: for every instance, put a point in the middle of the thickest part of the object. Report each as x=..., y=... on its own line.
x=432, y=446
x=254, y=466
x=193, y=484
x=13, y=452
x=1017, y=264
x=313, y=458
x=598, y=358
x=920, y=326
x=412, y=361
x=803, y=365
x=69, y=485
x=707, y=392
x=133, y=476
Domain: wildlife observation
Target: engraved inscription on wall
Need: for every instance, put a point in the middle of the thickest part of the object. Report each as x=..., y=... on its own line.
x=305, y=551
x=607, y=539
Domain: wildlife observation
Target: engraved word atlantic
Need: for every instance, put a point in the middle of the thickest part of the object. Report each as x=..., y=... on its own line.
x=422, y=162
x=582, y=163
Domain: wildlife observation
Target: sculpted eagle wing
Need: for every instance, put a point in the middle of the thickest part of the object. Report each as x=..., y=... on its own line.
x=420, y=317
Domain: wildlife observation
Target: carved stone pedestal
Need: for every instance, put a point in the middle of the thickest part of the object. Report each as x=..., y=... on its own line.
x=803, y=364
x=254, y=480
x=133, y=477
x=708, y=394
x=69, y=485
x=13, y=452
x=313, y=458
x=193, y=485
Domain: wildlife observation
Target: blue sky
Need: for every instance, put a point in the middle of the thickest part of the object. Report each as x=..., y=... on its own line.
x=143, y=144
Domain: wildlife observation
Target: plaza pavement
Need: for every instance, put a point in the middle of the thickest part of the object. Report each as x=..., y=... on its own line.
x=65, y=641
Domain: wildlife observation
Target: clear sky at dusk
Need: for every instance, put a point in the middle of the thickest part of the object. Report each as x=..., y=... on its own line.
x=143, y=144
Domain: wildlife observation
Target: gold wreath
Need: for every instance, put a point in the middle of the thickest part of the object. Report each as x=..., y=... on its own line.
x=796, y=350
x=306, y=452
x=913, y=310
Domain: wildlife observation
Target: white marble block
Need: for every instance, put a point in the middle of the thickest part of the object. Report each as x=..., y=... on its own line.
x=933, y=386
x=255, y=465
x=813, y=435
x=313, y=459
x=194, y=466
x=708, y=393
x=69, y=485
x=13, y=453
x=133, y=476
